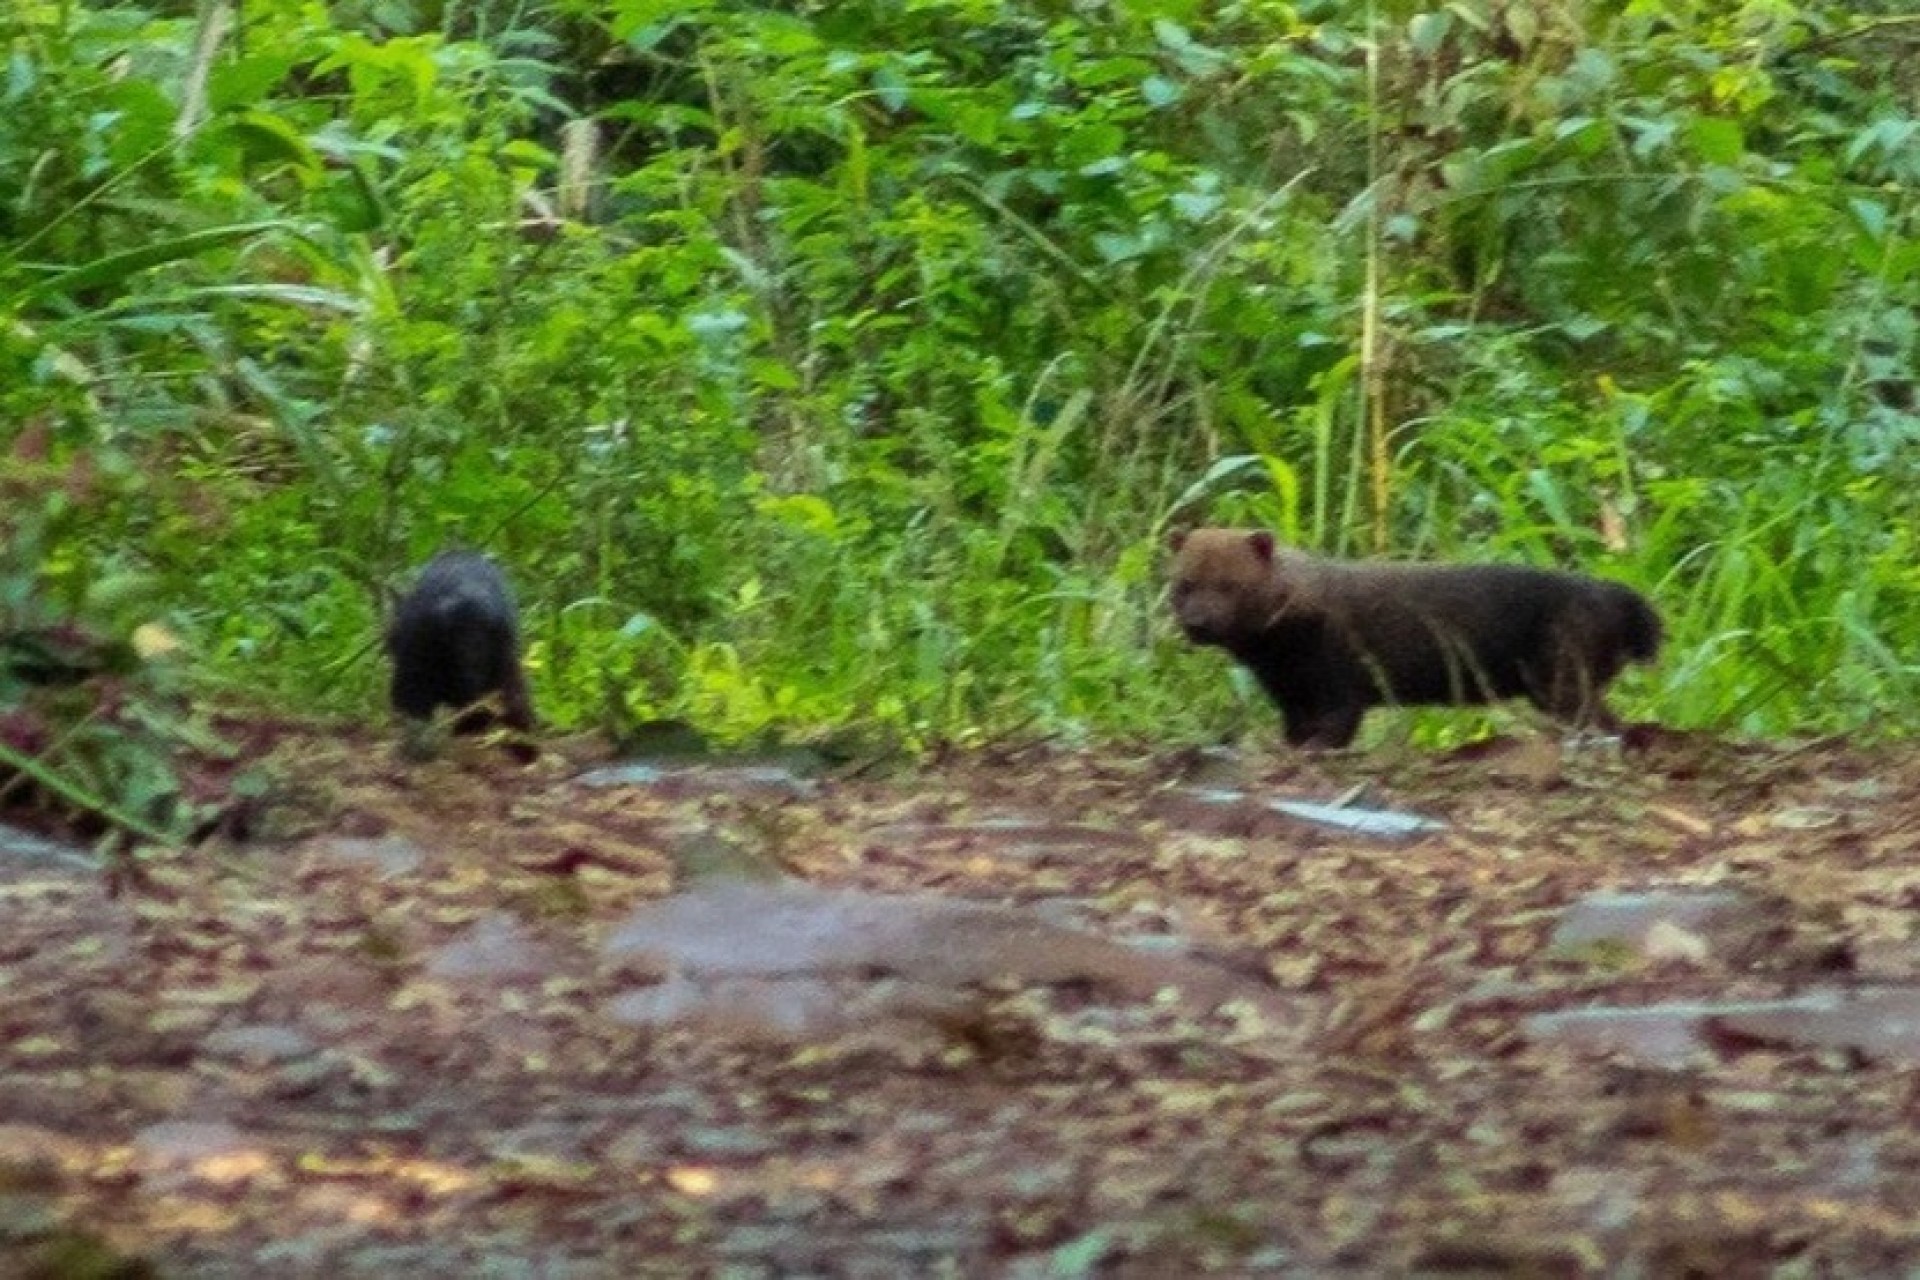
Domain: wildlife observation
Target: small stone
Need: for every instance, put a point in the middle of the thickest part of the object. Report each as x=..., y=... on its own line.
x=1881, y=1025
x=178, y=1142
x=1806, y=817
x=756, y=780
x=259, y=1045
x=25, y=849
x=496, y=947
x=388, y=856
x=1675, y=922
x=1668, y=941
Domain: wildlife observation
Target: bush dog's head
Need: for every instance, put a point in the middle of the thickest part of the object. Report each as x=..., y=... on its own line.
x=1225, y=584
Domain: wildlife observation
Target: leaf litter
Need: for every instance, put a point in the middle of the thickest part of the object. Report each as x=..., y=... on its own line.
x=1036, y=1013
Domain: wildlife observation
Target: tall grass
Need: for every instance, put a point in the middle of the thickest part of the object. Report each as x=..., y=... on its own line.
x=861, y=366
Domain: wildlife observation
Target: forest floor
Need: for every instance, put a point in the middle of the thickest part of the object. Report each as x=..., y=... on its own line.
x=1647, y=1011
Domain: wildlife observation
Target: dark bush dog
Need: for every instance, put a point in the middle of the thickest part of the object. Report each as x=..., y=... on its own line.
x=1329, y=638
x=454, y=641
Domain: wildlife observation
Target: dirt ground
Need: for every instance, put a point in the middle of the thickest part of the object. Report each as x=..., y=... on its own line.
x=394, y=1033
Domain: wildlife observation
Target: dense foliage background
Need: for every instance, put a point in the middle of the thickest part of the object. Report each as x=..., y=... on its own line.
x=845, y=362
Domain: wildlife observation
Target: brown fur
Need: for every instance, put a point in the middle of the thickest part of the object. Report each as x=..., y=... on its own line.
x=1329, y=638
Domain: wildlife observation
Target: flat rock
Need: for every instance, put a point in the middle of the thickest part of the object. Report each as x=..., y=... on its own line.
x=25, y=850
x=259, y=1044
x=1882, y=1025
x=1228, y=811
x=1360, y=820
x=386, y=856
x=770, y=781
x=497, y=947
x=740, y=930
x=787, y=1008
x=182, y=1149
x=1729, y=923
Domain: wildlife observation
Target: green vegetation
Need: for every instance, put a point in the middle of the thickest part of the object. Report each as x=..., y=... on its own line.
x=845, y=362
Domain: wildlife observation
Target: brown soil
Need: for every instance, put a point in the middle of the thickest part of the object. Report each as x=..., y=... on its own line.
x=383, y=1037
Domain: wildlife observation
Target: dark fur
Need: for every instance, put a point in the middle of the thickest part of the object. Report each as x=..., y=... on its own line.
x=1329, y=638
x=454, y=641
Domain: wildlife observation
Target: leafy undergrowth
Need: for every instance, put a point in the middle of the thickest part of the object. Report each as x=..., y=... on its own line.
x=376, y=1038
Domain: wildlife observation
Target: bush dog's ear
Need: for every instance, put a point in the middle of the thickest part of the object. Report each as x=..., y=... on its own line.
x=1177, y=538
x=1262, y=543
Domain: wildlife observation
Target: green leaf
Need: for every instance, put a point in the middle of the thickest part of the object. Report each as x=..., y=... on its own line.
x=1109, y=71
x=1092, y=142
x=22, y=75
x=804, y=511
x=246, y=81
x=643, y=24
x=1221, y=469
x=519, y=151
x=117, y=268
x=1158, y=91
x=1715, y=139
x=1426, y=32
x=1197, y=206
x=1871, y=215
x=288, y=295
x=891, y=88
x=267, y=137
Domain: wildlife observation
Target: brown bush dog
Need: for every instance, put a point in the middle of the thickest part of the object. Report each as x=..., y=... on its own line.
x=1329, y=638
x=455, y=641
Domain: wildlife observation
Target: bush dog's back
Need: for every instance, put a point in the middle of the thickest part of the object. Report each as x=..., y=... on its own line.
x=455, y=639
x=1329, y=638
